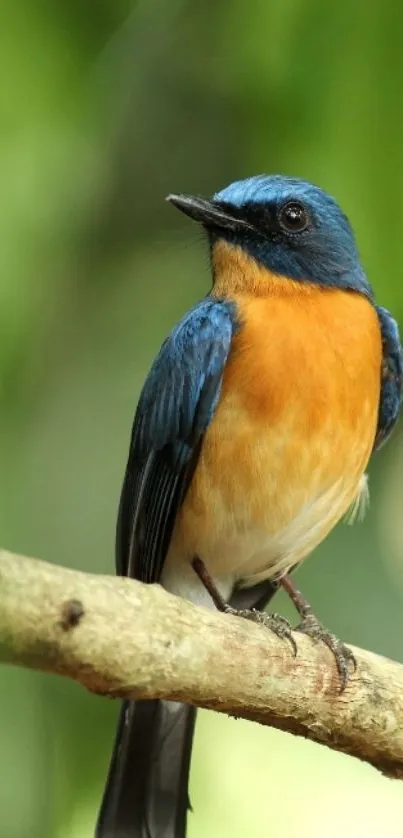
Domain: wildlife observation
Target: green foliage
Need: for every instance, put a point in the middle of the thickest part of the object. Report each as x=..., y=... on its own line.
x=105, y=108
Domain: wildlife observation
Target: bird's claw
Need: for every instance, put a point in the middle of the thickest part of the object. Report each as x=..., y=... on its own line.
x=275, y=622
x=343, y=656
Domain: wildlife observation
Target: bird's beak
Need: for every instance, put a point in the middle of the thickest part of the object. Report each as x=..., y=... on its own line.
x=208, y=213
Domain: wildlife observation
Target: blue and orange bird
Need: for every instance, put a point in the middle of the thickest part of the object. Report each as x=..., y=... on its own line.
x=251, y=440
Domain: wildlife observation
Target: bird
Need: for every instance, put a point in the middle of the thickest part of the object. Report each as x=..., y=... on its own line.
x=250, y=441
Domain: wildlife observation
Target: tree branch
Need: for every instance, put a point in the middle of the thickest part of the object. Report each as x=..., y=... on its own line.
x=124, y=639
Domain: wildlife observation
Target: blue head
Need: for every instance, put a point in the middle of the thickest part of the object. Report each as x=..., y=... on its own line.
x=287, y=225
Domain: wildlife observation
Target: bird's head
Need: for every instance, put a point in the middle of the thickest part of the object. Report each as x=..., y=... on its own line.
x=282, y=225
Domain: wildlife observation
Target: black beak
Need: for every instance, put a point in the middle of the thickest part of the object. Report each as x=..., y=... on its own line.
x=208, y=213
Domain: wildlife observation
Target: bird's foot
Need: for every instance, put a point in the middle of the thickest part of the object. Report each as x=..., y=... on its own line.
x=343, y=656
x=311, y=626
x=275, y=622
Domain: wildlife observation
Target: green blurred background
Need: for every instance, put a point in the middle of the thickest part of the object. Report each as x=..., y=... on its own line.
x=106, y=107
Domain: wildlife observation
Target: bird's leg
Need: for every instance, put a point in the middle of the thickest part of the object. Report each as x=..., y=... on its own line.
x=208, y=583
x=311, y=626
x=278, y=624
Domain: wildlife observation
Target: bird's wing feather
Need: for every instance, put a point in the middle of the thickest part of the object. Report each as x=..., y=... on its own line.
x=176, y=406
x=391, y=377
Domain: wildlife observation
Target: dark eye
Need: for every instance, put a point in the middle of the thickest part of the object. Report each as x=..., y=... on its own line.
x=293, y=217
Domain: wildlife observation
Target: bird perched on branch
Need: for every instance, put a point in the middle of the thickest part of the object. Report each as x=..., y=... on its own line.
x=250, y=442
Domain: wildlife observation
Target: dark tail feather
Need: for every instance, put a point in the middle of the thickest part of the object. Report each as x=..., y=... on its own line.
x=146, y=794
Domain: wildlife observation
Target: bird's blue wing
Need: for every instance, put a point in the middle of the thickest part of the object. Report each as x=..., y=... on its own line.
x=392, y=377
x=176, y=406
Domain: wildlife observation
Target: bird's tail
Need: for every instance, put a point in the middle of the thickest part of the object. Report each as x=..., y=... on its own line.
x=146, y=794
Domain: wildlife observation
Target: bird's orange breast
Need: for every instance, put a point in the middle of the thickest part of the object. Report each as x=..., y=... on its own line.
x=285, y=455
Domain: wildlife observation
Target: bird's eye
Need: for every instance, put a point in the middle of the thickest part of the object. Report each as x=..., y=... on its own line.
x=293, y=217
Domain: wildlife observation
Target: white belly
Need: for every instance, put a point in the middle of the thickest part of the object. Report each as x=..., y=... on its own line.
x=255, y=554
